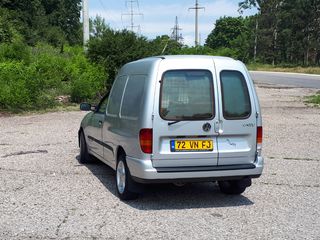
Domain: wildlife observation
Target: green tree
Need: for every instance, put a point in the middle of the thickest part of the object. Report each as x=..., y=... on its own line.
x=226, y=30
x=8, y=30
x=54, y=21
x=98, y=26
x=250, y=3
x=233, y=37
x=289, y=30
x=115, y=48
x=65, y=14
x=164, y=45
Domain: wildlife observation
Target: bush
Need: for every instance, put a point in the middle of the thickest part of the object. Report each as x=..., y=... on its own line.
x=88, y=80
x=227, y=52
x=34, y=77
x=15, y=51
x=14, y=92
x=116, y=48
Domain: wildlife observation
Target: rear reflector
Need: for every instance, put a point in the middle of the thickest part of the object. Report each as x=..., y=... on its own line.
x=145, y=137
x=259, y=135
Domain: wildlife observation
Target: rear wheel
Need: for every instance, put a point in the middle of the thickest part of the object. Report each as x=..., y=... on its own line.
x=234, y=187
x=124, y=182
x=84, y=154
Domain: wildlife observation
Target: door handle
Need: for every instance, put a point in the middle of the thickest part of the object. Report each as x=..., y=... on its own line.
x=221, y=127
x=218, y=127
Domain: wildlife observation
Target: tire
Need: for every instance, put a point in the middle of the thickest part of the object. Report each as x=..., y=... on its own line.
x=84, y=154
x=124, y=183
x=234, y=187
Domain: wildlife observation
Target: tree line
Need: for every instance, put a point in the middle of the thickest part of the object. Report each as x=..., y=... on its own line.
x=31, y=21
x=284, y=31
x=37, y=37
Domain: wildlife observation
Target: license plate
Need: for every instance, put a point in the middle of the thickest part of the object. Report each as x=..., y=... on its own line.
x=191, y=145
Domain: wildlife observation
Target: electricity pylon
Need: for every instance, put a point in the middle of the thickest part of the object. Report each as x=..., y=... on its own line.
x=132, y=13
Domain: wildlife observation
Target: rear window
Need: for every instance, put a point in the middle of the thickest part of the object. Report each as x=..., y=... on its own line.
x=187, y=95
x=235, y=95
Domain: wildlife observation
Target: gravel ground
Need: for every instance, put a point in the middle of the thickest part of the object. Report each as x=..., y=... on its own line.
x=46, y=194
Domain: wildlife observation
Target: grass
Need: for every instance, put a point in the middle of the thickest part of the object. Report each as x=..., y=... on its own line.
x=294, y=69
x=314, y=99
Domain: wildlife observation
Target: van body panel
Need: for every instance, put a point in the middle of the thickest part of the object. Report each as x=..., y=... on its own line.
x=144, y=170
x=237, y=137
x=123, y=131
x=185, y=130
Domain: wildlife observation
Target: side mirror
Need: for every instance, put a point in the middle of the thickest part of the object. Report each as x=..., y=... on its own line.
x=85, y=107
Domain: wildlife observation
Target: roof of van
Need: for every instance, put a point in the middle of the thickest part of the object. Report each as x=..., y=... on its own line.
x=180, y=57
x=141, y=66
x=173, y=57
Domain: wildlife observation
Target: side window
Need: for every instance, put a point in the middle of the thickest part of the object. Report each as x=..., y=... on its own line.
x=116, y=95
x=133, y=95
x=103, y=105
x=235, y=95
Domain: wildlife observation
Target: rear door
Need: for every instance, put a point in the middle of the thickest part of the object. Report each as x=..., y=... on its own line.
x=185, y=110
x=237, y=124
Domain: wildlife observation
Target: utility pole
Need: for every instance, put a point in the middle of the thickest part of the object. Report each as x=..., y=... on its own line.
x=175, y=32
x=85, y=16
x=196, y=8
x=132, y=13
x=255, y=40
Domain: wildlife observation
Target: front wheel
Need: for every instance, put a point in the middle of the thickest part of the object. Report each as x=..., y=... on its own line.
x=124, y=181
x=234, y=187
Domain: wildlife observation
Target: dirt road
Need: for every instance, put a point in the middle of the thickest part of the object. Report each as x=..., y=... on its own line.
x=46, y=194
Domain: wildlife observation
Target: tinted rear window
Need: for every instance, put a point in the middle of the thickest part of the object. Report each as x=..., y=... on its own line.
x=235, y=95
x=187, y=95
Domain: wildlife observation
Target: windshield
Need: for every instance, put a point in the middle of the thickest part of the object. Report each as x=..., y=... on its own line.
x=187, y=95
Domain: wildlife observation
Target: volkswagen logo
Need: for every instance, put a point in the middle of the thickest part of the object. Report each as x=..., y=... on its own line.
x=206, y=127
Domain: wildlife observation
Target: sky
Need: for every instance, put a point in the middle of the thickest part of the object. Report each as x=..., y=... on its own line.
x=159, y=16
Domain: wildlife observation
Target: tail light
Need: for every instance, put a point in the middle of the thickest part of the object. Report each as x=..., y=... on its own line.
x=259, y=140
x=145, y=137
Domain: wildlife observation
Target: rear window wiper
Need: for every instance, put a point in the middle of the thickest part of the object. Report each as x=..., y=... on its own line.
x=183, y=118
x=171, y=123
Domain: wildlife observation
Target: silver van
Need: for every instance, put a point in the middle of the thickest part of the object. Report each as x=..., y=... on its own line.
x=177, y=119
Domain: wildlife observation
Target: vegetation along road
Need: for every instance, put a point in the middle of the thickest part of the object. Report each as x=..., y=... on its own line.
x=291, y=79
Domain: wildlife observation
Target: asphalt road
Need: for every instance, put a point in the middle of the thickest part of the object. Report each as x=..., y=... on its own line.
x=46, y=194
x=289, y=79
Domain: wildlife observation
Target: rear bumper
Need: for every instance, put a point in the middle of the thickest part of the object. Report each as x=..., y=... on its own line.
x=143, y=171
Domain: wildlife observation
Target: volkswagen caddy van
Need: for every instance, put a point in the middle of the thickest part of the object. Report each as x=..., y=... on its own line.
x=177, y=119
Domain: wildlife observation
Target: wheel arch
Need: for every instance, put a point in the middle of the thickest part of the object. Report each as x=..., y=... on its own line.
x=119, y=152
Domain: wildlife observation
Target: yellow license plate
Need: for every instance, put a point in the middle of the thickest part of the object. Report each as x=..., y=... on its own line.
x=191, y=145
